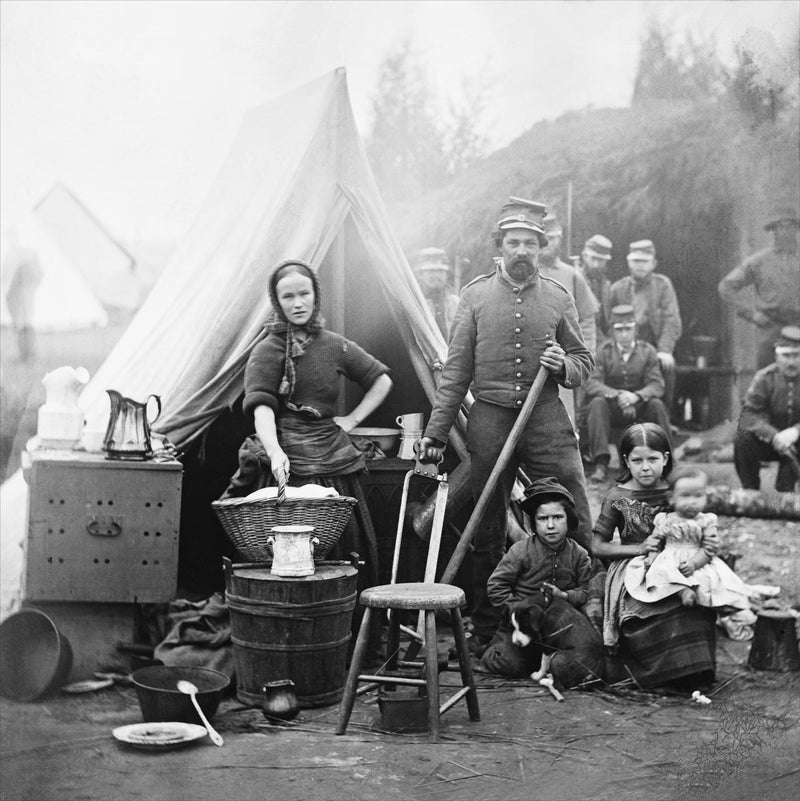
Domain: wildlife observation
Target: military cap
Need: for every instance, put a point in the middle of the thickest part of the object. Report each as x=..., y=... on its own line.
x=430, y=259
x=642, y=248
x=552, y=226
x=781, y=214
x=599, y=246
x=622, y=315
x=789, y=338
x=521, y=213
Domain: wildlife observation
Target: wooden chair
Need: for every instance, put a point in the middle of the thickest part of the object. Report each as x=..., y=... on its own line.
x=426, y=597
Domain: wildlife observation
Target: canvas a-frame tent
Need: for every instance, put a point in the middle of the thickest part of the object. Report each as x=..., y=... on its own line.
x=296, y=184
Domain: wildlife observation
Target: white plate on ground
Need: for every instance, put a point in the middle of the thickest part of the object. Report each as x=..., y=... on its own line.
x=159, y=735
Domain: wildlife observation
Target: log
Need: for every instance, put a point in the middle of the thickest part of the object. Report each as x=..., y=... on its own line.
x=774, y=642
x=767, y=504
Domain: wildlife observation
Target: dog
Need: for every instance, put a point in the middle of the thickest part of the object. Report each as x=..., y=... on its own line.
x=560, y=638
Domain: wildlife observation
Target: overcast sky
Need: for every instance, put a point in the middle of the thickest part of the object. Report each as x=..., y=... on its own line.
x=133, y=104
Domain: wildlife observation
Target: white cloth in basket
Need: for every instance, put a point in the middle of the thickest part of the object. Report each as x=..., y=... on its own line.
x=306, y=492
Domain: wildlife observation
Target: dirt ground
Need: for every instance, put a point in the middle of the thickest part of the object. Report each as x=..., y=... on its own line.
x=611, y=743
x=606, y=743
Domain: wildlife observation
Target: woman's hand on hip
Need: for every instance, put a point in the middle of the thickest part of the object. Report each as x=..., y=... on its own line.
x=346, y=423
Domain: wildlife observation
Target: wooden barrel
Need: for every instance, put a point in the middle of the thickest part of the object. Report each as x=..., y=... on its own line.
x=288, y=627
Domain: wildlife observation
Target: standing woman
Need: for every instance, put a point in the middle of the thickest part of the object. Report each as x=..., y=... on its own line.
x=291, y=387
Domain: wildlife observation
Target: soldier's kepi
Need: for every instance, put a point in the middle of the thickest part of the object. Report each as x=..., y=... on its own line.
x=520, y=215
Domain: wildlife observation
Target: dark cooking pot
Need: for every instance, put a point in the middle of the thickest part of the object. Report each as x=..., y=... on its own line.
x=160, y=700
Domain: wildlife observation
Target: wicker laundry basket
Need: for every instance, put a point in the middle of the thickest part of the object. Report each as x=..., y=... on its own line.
x=248, y=523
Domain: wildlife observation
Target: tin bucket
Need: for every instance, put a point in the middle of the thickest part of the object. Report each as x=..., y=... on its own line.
x=404, y=709
x=294, y=628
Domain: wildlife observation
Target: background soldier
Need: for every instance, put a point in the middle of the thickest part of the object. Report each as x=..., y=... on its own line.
x=774, y=274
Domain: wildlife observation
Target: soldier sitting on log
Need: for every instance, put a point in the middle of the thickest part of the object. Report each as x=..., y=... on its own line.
x=769, y=424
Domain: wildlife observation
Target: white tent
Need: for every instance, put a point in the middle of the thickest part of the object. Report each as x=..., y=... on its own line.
x=296, y=184
x=62, y=301
x=108, y=269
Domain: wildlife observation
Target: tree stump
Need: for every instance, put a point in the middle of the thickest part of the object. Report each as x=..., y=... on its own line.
x=774, y=642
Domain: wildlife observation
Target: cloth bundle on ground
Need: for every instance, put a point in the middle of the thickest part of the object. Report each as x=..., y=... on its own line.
x=200, y=635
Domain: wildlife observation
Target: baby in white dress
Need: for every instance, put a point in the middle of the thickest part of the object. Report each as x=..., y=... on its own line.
x=685, y=563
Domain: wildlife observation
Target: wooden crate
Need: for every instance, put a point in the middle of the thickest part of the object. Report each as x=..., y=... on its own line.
x=101, y=530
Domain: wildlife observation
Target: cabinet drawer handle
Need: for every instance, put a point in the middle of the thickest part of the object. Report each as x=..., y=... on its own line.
x=104, y=527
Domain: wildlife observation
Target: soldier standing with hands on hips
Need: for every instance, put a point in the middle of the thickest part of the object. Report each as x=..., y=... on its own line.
x=508, y=323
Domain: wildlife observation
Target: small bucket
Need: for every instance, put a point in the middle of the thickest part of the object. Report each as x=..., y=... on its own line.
x=404, y=709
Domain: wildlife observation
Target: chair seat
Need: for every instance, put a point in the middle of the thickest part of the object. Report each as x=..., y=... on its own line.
x=413, y=595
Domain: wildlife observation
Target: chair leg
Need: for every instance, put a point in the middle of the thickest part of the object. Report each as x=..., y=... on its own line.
x=349, y=696
x=432, y=675
x=393, y=639
x=467, y=677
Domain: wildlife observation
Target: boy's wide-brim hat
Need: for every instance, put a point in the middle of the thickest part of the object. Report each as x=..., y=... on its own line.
x=545, y=490
x=521, y=213
x=782, y=214
x=622, y=315
x=789, y=338
x=600, y=246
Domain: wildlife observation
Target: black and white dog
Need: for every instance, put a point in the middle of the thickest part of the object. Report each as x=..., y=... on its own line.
x=560, y=638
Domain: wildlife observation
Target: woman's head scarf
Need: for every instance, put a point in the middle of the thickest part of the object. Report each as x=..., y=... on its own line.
x=278, y=324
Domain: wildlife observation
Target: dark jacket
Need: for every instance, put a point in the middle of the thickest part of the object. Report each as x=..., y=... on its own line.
x=529, y=562
x=640, y=374
x=772, y=403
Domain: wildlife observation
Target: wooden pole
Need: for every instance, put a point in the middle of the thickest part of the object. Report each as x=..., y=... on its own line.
x=480, y=507
x=568, y=238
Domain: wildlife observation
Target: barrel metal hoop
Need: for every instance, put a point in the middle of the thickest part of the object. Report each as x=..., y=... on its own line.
x=274, y=646
x=282, y=609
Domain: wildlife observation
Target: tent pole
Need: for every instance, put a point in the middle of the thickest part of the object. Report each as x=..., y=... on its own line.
x=339, y=248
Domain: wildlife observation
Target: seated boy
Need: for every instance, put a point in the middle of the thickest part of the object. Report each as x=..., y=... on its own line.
x=548, y=562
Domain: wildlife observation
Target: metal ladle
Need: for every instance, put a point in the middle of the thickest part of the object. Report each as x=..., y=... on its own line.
x=190, y=690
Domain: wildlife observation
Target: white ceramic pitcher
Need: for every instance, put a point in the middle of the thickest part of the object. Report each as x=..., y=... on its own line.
x=292, y=550
x=60, y=419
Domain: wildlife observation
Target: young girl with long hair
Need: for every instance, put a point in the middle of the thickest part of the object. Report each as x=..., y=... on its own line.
x=663, y=641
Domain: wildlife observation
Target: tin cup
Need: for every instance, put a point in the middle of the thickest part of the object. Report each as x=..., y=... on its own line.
x=411, y=422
